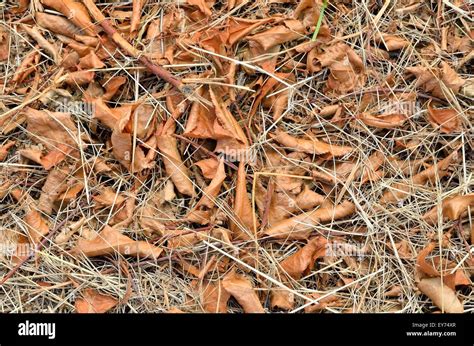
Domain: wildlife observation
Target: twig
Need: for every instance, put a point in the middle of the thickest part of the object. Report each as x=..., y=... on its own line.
x=128, y=49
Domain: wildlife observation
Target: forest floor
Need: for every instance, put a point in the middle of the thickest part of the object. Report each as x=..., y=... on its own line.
x=236, y=156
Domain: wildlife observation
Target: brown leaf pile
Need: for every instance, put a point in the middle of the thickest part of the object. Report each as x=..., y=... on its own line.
x=210, y=156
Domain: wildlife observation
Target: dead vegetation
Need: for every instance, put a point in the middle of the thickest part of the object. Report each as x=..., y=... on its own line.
x=236, y=156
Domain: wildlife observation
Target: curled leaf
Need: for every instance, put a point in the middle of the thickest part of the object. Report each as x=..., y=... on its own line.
x=452, y=208
x=298, y=227
x=110, y=241
x=441, y=295
x=303, y=260
x=310, y=146
x=93, y=301
x=242, y=290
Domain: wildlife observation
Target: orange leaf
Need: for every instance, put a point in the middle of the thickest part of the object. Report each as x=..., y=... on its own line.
x=447, y=119
x=441, y=295
x=94, y=302
x=452, y=208
x=242, y=290
x=300, y=226
x=303, y=260
x=110, y=241
x=310, y=146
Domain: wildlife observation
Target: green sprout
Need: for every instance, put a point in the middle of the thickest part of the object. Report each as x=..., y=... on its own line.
x=320, y=20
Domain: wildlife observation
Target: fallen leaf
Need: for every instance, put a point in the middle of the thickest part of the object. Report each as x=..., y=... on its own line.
x=441, y=295
x=201, y=212
x=93, y=301
x=424, y=266
x=452, y=208
x=432, y=81
x=383, y=121
x=110, y=241
x=55, y=184
x=242, y=290
x=392, y=42
x=446, y=119
x=302, y=261
x=174, y=165
x=300, y=226
x=243, y=225
x=310, y=146
x=4, y=149
x=75, y=11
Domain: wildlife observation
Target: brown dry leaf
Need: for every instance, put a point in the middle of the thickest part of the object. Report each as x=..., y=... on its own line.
x=93, y=301
x=174, y=165
x=302, y=261
x=383, y=121
x=91, y=61
x=202, y=5
x=4, y=45
x=4, y=149
x=329, y=301
x=452, y=208
x=282, y=299
x=447, y=119
x=108, y=198
x=239, y=28
x=290, y=30
x=310, y=146
x=208, y=167
x=56, y=131
x=55, y=184
x=392, y=42
x=52, y=50
x=300, y=226
x=110, y=241
x=400, y=191
x=214, y=297
x=441, y=295
x=243, y=226
x=201, y=212
x=80, y=78
x=57, y=24
x=424, y=266
x=75, y=11
x=36, y=225
x=112, y=85
x=430, y=80
x=242, y=290
x=458, y=278
x=347, y=71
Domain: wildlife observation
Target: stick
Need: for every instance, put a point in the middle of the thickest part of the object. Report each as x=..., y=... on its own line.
x=128, y=49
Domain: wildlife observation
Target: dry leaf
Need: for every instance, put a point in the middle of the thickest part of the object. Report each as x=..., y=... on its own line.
x=302, y=261
x=174, y=165
x=75, y=11
x=300, y=226
x=94, y=302
x=441, y=295
x=110, y=241
x=243, y=225
x=383, y=121
x=242, y=290
x=214, y=297
x=310, y=146
x=432, y=81
x=447, y=119
x=392, y=42
x=452, y=208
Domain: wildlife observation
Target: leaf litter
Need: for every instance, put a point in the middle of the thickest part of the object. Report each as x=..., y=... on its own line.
x=236, y=156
